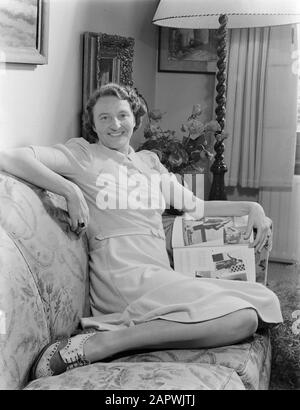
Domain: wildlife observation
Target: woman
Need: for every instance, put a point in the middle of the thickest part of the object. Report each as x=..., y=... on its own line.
x=137, y=300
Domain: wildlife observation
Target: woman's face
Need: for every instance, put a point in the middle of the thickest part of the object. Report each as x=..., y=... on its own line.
x=114, y=123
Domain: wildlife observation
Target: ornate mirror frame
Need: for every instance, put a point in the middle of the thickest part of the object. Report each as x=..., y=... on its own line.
x=106, y=58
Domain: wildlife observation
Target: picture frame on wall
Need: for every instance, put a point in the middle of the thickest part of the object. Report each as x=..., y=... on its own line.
x=106, y=58
x=24, y=31
x=187, y=50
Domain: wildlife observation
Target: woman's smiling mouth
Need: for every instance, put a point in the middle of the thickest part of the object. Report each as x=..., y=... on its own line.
x=116, y=134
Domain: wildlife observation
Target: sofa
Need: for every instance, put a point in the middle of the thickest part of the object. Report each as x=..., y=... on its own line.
x=44, y=293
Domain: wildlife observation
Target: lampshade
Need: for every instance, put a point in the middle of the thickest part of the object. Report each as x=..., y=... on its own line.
x=241, y=13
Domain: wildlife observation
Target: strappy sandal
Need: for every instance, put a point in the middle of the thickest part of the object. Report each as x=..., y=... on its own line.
x=56, y=358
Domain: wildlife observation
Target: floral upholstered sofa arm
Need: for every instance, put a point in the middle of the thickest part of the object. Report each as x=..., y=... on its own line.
x=43, y=277
x=261, y=258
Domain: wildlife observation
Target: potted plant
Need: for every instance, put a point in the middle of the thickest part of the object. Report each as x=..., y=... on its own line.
x=186, y=156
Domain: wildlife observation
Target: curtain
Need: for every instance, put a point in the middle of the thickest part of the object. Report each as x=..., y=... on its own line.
x=261, y=108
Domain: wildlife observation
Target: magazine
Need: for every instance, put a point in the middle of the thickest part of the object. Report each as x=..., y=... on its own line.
x=213, y=247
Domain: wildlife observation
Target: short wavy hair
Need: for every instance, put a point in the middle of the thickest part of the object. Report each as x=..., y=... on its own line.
x=123, y=92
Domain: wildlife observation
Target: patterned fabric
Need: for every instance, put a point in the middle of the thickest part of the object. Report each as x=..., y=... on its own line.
x=43, y=293
x=24, y=329
x=265, y=368
x=250, y=360
x=43, y=276
x=143, y=376
x=261, y=260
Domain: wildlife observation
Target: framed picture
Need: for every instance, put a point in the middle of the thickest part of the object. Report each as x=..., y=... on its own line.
x=24, y=31
x=106, y=58
x=187, y=50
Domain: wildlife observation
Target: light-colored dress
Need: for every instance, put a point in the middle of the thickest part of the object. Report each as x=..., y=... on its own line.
x=131, y=280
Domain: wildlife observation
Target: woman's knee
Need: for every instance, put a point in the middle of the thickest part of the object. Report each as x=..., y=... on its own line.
x=247, y=322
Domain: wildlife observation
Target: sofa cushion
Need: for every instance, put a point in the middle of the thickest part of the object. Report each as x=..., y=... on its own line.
x=56, y=257
x=43, y=276
x=250, y=360
x=143, y=376
x=24, y=328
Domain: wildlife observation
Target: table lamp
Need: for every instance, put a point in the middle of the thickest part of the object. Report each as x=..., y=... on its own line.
x=221, y=15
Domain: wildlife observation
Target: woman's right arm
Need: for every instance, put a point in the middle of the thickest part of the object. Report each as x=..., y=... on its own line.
x=45, y=173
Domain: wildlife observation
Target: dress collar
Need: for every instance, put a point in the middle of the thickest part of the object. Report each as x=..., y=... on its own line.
x=120, y=157
x=117, y=155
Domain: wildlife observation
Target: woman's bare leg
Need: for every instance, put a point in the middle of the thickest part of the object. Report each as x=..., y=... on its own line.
x=163, y=334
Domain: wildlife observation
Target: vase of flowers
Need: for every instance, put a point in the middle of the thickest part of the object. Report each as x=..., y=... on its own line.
x=191, y=152
x=189, y=155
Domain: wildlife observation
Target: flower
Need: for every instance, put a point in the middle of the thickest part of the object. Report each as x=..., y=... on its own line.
x=190, y=154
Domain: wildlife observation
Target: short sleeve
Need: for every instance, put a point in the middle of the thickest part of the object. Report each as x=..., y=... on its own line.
x=76, y=158
x=77, y=150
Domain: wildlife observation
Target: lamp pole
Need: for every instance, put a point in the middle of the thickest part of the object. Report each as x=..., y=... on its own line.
x=195, y=14
x=218, y=168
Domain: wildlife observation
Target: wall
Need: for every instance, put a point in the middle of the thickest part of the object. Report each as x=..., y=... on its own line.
x=42, y=104
x=176, y=93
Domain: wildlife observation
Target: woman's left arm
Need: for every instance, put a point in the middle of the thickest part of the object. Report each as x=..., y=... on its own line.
x=183, y=199
x=256, y=218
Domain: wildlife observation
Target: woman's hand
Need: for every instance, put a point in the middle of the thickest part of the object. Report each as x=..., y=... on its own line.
x=77, y=208
x=257, y=219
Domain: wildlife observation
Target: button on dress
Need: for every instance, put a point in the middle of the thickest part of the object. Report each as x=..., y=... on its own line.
x=131, y=281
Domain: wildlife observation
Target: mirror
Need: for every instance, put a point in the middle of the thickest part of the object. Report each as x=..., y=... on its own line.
x=106, y=58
